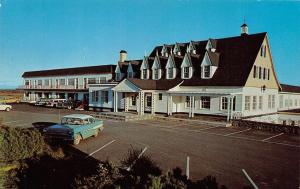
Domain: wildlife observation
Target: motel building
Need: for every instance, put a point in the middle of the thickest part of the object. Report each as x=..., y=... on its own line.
x=231, y=77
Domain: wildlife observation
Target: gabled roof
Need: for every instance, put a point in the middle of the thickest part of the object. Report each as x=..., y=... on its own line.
x=103, y=69
x=290, y=88
x=236, y=59
x=161, y=84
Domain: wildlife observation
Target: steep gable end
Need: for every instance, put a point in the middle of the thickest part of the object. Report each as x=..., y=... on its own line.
x=263, y=72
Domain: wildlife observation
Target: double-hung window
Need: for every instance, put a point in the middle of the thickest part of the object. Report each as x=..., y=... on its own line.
x=206, y=71
x=205, y=102
x=104, y=96
x=187, y=102
x=95, y=96
x=156, y=72
x=260, y=102
x=133, y=101
x=254, y=102
x=144, y=74
x=170, y=73
x=247, y=103
x=186, y=72
x=149, y=101
x=224, y=103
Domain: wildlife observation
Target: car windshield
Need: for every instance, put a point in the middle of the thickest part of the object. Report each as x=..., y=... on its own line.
x=71, y=121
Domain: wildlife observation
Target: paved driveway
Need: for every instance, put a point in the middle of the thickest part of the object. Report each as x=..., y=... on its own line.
x=270, y=159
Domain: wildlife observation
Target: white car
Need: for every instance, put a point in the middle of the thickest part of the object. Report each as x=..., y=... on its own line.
x=5, y=107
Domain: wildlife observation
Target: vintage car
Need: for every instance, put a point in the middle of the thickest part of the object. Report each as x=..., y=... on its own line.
x=74, y=127
x=42, y=102
x=53, y=102
x=5, y=107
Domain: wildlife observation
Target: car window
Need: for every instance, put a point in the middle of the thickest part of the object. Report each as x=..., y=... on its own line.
x=85, y=121
x=71, y=121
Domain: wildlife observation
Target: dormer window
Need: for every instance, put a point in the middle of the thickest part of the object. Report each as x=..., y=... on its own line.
x=155, y=73
x=118, y=76
x=170, y=73
x=186, y=72
x=206, y=71
x=130, y=75
x=194, y=51
x=144, y=74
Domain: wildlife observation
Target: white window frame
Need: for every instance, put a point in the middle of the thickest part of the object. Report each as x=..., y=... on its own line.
x=95, y=96
x=247, y=103
x=205, y=72
x=170, y=73
x=104, y=96
x=224, y=103
x=186, y=72
x=254, y=103
x=205, y=102
x=144, y=73
x=133, y=100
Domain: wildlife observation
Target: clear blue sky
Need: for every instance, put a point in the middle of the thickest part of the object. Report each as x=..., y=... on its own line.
x=46, y=34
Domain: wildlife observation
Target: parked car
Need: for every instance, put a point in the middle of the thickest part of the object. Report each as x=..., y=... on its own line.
x=42, y=102
x=5, y=107
x=74, y=127
x=53, y=102
x=65, y=104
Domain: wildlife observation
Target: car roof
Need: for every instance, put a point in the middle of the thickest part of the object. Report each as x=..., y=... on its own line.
x=80, y=116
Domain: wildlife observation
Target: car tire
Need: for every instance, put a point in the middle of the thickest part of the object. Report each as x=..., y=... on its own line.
x=7, y=109
x=77, y=140
x=69, y=107
x=96, y=133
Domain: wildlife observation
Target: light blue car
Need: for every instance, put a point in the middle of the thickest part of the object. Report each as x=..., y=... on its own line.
x=74, y=127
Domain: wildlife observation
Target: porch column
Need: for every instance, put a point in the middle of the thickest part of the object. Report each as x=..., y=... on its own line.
x=153, y=103
x=190, y=108
x=228, y=108
x=126, y=102
x=141, y=103
x=231, y=107
x=115, y=101
x=193, y=106
x=171, y=105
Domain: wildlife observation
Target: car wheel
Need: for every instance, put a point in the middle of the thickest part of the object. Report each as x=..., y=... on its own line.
x=7, y=109
x=77, y=140
x=69, y=107
x=96, y=133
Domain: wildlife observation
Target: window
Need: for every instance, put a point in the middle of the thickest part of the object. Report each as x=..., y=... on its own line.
x=149, y=101
x=156, y=72
x=186, y=72
x=130, y=75
x=264, y=74
x=280, y=101
x=260, y=102
x=254, y=102
x=259, y=73
x=133, y=101
x=205, y=102
x=187, y=101
x=247, y=103
x=261, y=50
x=27, y=82
x=62, y=81
x=91, y=80
x=95, y=96
x=254, y=72
x=269, y=101
x=206, y=71
x=104, y=96
x=47, y=82
x=118, y=76
x=71, y=81
x=268, y=74
x=102, y=79
x=170, y=73
x=224, y=103
x=39, y=82
x=159, y=96
x=144, y=74
x=265, y=50
x=273, y=102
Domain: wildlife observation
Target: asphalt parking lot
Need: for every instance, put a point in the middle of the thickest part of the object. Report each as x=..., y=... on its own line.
x=272, y=160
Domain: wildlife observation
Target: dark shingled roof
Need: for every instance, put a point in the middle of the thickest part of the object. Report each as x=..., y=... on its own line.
x=236, y=58
x=72, y=71
x=290, y=88
x=149, y=84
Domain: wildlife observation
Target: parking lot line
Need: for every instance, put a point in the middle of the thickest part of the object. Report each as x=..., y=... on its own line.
x=237, y=132
x=101, y=148
x=249, y=179
x=144, y=150
x=9, y=122
x=272, y=137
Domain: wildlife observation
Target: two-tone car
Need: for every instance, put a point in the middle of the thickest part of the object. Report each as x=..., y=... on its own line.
x=74, y=127
x=5, y=107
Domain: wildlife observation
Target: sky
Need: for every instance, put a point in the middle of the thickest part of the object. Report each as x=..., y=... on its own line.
x=49, y=34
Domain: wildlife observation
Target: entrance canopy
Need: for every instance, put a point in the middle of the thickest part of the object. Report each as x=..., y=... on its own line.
x=126, y=86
